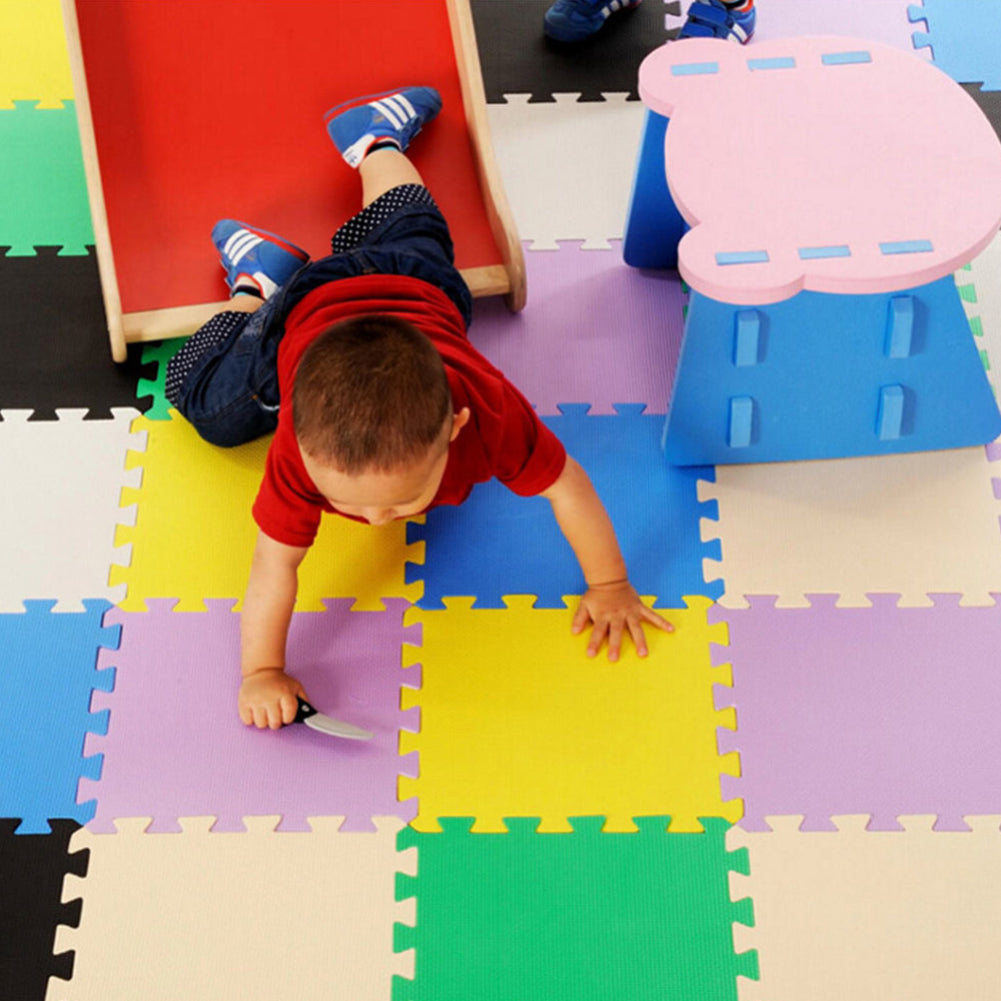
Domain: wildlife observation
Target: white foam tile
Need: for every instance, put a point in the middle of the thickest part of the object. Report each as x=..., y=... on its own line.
x=567, y=167
x=981, y=285
x=59, y=506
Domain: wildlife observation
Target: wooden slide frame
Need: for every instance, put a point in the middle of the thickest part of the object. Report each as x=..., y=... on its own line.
x=505, y=278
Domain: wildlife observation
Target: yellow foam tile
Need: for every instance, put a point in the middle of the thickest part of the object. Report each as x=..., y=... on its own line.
x=308, y=915
x=871, y=915
x=913, y=525
x=517, y=721
x=34, y=65
x=193, y=534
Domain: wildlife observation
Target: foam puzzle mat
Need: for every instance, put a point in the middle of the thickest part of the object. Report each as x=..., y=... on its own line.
x=794, y=795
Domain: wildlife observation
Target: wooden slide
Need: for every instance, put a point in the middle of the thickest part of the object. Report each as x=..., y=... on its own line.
x=193, y=111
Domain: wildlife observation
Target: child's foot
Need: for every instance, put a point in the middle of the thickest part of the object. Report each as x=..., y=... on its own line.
x=575, y=20
x=256, y=261
x=717, y=19
x=391, y=119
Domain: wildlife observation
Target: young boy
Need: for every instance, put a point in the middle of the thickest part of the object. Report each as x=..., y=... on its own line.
x=381, y=408
x=575, y=20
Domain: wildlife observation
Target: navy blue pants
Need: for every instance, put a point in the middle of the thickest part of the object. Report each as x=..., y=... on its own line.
x=225, y=378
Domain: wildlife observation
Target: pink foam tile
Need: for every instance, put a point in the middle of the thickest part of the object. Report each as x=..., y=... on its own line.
x=594, y=331
x=884, y=710
x=175, y=746
x=874, y=20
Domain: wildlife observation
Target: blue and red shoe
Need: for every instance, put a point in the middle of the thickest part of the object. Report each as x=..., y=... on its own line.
x=254, y=259
x=575, y=20
x=713, y=19
x=395, y=117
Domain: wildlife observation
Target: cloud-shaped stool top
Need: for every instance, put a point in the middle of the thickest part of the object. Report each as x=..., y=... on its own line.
x=830, y=164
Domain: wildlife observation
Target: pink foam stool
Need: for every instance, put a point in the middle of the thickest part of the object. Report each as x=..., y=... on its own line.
x=816, y=194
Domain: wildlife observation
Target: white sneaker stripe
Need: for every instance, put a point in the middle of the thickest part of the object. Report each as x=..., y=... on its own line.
x=233, y=237
x=408, y=108
x=389, y=112
x=240, y=244
x=403, y=108
x=236, y=239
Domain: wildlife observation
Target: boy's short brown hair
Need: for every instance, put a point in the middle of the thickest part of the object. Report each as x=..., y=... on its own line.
x=370, y=393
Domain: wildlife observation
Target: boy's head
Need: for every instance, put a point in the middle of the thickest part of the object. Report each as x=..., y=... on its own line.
x=372, y=412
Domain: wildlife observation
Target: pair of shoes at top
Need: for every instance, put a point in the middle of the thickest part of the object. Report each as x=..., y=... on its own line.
x=713, y=19
x=259, y=262
x=575, y=20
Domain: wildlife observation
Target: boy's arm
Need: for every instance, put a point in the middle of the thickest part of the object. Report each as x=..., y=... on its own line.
x=267, y=693
x=610, y=602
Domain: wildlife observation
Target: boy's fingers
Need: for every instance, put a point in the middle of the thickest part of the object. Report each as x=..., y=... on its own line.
x=289, y=707
x=580, y=619
x=598, y=634
x=639, y=637
x=614, y=640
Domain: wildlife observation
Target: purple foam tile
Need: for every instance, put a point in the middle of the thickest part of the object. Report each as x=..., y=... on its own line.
x=873, y=20
x=594, y=331
x=884, y=710
x=175, y=746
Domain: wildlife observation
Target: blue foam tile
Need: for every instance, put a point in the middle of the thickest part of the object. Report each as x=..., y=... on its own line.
x=48, y=672
x=497, y=543
x=964, y=37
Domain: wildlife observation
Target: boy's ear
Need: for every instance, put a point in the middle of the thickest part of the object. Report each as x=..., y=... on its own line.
x=459, y=421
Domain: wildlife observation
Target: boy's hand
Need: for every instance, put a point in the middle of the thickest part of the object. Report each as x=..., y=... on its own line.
x=268, y=698
x=612, y=608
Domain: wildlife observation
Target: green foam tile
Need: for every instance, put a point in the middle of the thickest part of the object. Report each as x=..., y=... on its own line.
x=43, y=190
x=160, y=353
x=583, y=916
x=967, y=293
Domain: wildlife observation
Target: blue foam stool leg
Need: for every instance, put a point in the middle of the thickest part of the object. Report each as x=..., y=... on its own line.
x=822, y=376
x=654, y=225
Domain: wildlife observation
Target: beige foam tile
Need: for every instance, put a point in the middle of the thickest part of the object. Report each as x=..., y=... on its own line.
x=260, y=914
x=59, y=505
x=567, y=166
x=872, y=916
x=912, y=525
x=984, y=276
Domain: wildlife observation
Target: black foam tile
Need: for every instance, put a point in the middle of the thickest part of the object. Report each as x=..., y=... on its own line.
x=54, y=342
x=32, y=869
x=518, y=58
x=989, y=101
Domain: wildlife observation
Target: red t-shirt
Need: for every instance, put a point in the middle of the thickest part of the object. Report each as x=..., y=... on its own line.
x=504, y=437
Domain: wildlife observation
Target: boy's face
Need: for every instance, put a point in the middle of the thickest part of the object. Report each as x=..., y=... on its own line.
x=381, y=497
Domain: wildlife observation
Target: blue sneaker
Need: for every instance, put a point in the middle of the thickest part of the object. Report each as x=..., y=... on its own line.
x=255, y=260
x=713, y=19
x=395, y=116
x=575, y=20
